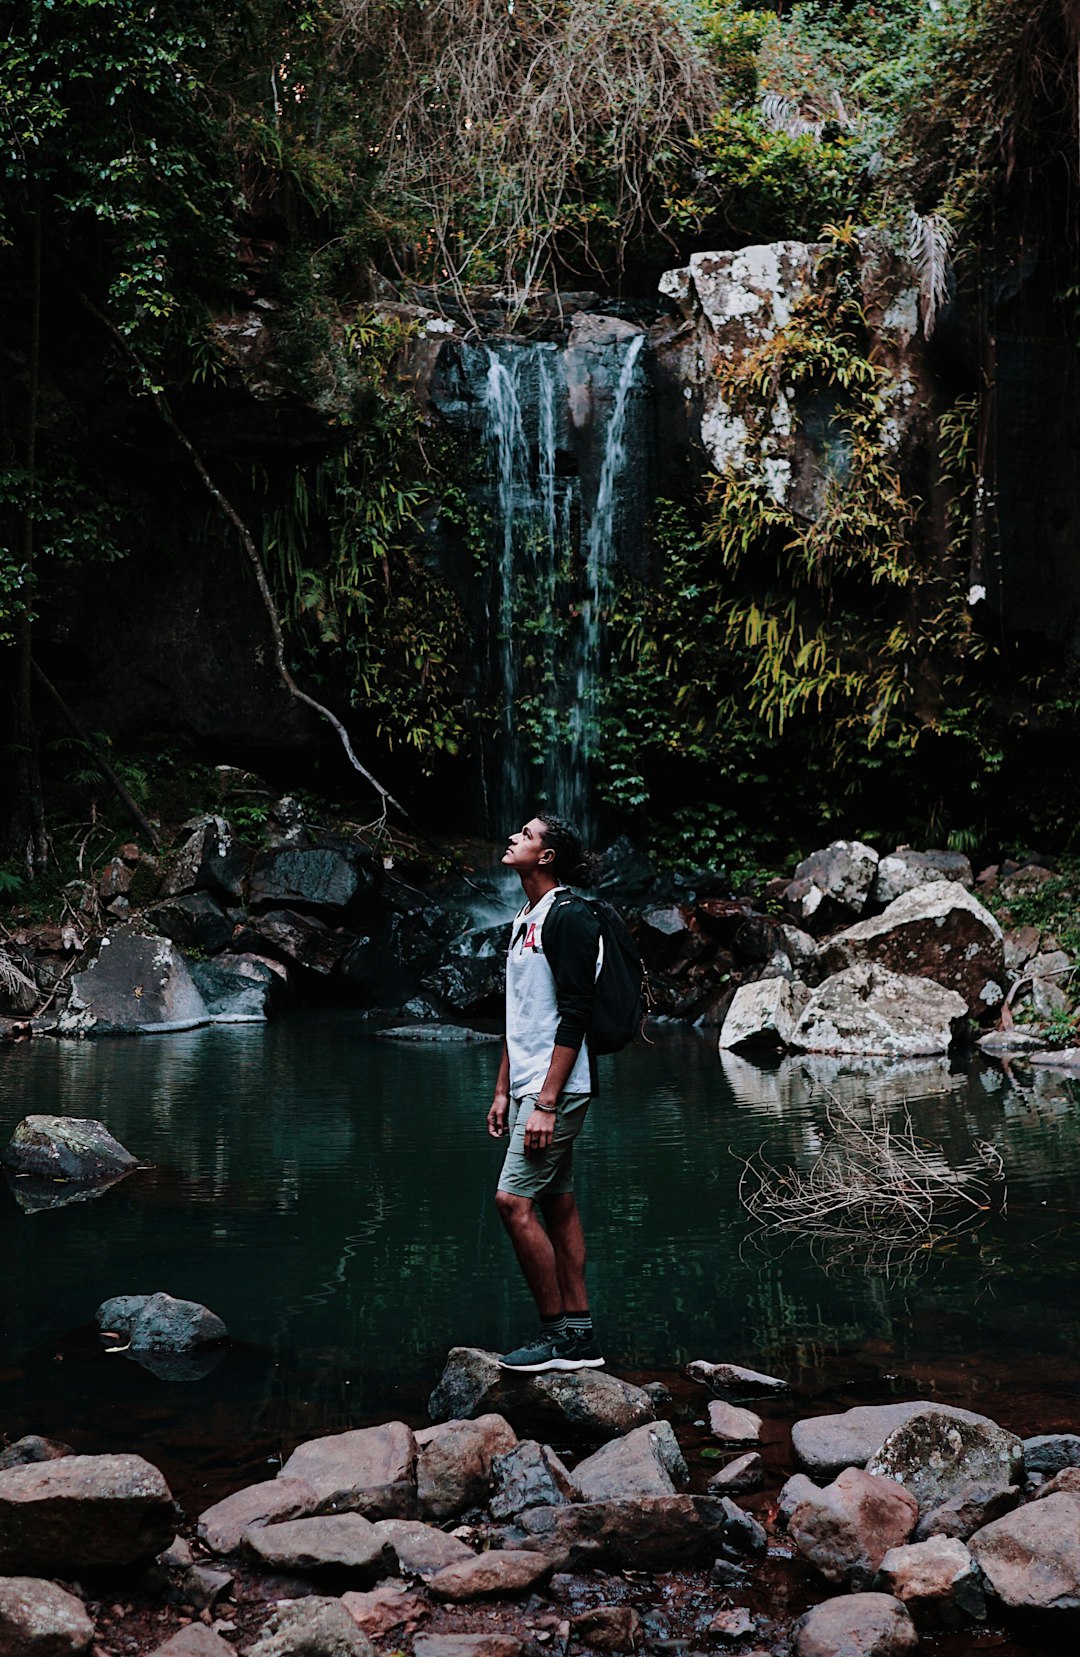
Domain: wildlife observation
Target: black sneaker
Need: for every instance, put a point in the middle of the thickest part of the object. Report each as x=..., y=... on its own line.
x=579, y=1351
x=558, y=1352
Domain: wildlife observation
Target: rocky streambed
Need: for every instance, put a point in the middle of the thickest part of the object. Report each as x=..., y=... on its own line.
x=906, y=1523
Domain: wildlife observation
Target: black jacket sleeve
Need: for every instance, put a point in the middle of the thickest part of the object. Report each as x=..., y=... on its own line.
x=571, y=944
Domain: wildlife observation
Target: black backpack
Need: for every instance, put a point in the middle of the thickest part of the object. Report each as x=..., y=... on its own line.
x=622, y=998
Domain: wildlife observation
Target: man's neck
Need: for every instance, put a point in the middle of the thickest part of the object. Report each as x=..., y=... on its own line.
x=537, y=885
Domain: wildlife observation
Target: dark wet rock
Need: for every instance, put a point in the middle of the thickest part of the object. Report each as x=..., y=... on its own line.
x=829, y=1443
x=469, y=985
x=869, y=1010
x=652, y=1533
x=40, y=1619
x=435, y=1033
x=73, y=1148
x=312, y=1627
x=135, y=983
x=846, y=1530
x=210, y=860
x=391, y=1608
x=727, y=1574
x=196, y=1640
x=743, y=1474
x=934, y=1456
x=646, y=1461
x=194, y=921
x=529, y=1475
x=177, y=1556
x=832, y=884
x=340, y=1544
x=32, y=1448
x=937, y=1580
x=301, y=940
x=467, y=1645
x=1031, y=1557
x=967, y=1510
x=311, y=877
x=904, y=869
x=158, y=1323
x=203, y=1586
x=453, y=1469
x=1050, y=1452
x=764, y=1014
x=377, y=973
x=732, y=1379
x=421, y=1550
x=740, y=1530
x=856, y=1625
x=1068, y=1479
x=939, y=932
x=79, y=1512
x=493, y=1575
x=241, y=989
x=371, y=1470
x=608, y=1627
x=731, y=1425
x=473, y=1382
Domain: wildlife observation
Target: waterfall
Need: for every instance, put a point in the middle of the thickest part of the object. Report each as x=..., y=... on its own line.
x=552, y=580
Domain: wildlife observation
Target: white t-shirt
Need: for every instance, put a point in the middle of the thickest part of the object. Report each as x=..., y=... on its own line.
x=532, y=1013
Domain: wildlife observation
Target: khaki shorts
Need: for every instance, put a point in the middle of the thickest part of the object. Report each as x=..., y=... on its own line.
x=547, y=1173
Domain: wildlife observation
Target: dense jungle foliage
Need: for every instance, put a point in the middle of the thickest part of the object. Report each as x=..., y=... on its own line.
x=775, y=679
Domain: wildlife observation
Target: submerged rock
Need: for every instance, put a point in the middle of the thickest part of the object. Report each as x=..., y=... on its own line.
x=81, y=1512
x=870, y=1010
x=74, y=1148
x=136, y=984
x=856, y=1625
x=158, y=1323
x=939, y=932
x=438, y=1033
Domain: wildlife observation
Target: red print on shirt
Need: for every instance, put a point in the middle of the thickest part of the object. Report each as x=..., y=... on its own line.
x=530, y=937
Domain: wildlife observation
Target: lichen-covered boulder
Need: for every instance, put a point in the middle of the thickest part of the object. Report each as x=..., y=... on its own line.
x=158, y=1323
x=135, y=983
x=940, y=932
x=826, y=1444
x=935, y=1456
x=764, y=1014
x=868, y=1010
x=904, y=869
x=832, y=884
x=74, y=1148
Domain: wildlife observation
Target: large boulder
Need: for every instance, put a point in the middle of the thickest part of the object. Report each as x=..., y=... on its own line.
x=135, y=983
x=935, y=1456
x=312, y=877
x=832, y=884
x=601, y=1405
x=194, y=921
x=371, y=1470
x=79, y=1512
x=1031, y=1557
x=241, y=989
x=221, y=1527
x=826, y=1444
x=869, y=1010
x=647, y=1461
x=158, y=1323
x=764, y=1014
x=940, y=932
x=846, y=1529
x=937, y=1580
x=856, y=1625
x=300, y=940
x=73, y=1148
x=40, y=1619
x=453, y=1469
x=529, y=1475
x=904, y=869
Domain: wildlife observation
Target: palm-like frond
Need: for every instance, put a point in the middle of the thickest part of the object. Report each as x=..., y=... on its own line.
x=930, y=241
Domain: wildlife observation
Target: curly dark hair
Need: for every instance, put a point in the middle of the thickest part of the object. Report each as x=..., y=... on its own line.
x=572, y=862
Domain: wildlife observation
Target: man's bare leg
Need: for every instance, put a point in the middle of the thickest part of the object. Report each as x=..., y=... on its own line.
x=567, y=1240
x=534, y=1251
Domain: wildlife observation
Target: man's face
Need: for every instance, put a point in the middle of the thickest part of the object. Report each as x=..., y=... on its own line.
x=526, y=851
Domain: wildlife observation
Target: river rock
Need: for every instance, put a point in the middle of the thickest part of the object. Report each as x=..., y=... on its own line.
x=158, y=1323
x=796, y=1490
x=651, y=1533
x=79, y=1512
x=764, y=1014
x=38, y=1619
x=194, y=921
x=934, y=1456
x=221, y=1527
x=845, y=1530
x=869, y=1010
x=467, y=1645
x=196, y=1640
x=744, y=1473
x=856, y=1625
x=903, y=870
x=732, y=1425
x=1049, y=1452
x=210, y=860
x=421, y=1549
x=338, y=1543
x=390, y=1606
x=646, y=1461
x=967, y=1510
x=529, y=1475
x=940, y=932
x=74, y=1148
x=724, y=1379
x=828, y=1443
x=1031, y=1557
x=469, y=985
x=832, y=884
x=608, y=1627
x=492, y=1575
x=31, y=1448
x=301, y=940
x=241, y=989
x=308, y=877
x=937, y=1580
x=1068, y=1479
x=496, y=1434
x=135, y=983
x=453, y=1468
x=371, y=1470
x=312, y=1627
x=473, y=1383
x=741, y=1532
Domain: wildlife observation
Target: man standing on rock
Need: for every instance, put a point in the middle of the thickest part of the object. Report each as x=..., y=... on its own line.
x=546, y=1079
